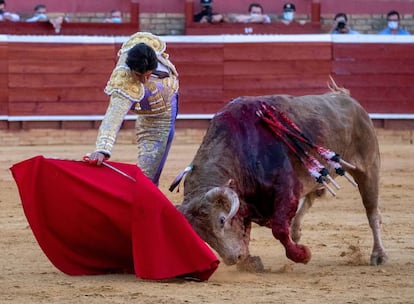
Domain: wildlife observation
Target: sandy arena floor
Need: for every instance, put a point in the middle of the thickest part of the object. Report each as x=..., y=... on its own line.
x=335, y=229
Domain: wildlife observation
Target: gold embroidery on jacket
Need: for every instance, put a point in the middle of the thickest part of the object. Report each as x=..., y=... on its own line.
x=124, y=83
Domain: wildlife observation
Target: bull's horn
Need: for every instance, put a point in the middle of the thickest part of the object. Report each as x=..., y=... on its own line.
x=235, y=203
x=230, y=195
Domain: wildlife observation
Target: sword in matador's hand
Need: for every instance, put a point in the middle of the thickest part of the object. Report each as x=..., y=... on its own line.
x=118, y=171
x=87, y=159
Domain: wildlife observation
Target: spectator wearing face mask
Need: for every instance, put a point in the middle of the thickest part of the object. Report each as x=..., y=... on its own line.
x=289, y=10
x=255, y=15
x=7, y=16
x=393, y=25
x=116, y=17
x=341, y=25
x=40, y=14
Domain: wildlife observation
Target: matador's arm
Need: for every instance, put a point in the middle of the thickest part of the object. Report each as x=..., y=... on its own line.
x=117, y=109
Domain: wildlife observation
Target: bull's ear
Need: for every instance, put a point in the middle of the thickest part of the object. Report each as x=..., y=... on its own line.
x=224, y=199
x=221, y=203
x=216, y=198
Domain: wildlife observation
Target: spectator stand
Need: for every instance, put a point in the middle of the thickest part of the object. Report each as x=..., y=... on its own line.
x=195, y=28
x=76, y=28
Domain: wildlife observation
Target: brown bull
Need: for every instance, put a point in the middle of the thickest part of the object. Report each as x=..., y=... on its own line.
x=246, y=172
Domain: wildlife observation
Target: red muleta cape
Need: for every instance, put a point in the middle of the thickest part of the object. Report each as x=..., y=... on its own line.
x=91, y=220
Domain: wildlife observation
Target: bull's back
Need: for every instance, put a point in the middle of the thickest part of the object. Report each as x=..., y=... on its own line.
x=334, y=120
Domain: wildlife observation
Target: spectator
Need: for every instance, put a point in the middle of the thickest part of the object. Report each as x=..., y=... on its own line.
x=393, y=25
x=145, y=82
x=341, y=25
x=40, y=14
x=207, y=14
x=255, y=15
x=7, y=16
x=116, y=17
x=289, y=10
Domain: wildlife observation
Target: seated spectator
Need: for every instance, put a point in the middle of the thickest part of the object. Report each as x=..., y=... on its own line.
x=393, y=25
x=7, y=16
x=341, y=25
x=288, y=16
x=40, y=14
x=255, y=15
x=207, y=14
x=116, y=17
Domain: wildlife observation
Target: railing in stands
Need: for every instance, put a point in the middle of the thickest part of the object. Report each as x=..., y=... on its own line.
x=194, y=28
x=76, y=28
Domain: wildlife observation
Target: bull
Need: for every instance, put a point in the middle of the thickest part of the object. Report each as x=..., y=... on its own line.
x=244, y=173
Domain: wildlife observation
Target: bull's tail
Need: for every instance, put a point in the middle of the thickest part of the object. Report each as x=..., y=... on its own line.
x=335, y=89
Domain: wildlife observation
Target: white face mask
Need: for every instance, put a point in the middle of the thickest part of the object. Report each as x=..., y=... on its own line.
x=393, y=25
x=288, y=16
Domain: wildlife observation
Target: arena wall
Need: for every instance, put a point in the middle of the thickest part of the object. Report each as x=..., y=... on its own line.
x=59, y=82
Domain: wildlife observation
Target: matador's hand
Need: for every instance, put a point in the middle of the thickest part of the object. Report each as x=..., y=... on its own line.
x=95, y=158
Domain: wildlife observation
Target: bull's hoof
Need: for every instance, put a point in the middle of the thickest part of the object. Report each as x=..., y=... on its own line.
x=295, y=232
x=299, y=254
x=251, y=264
x=378, y=258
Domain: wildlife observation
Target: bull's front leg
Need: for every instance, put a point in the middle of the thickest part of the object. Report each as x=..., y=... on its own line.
x=285, y=209
x=250, y=263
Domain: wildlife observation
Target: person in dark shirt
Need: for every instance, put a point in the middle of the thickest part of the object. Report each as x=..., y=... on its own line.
x=341, y=25
x=207, y=14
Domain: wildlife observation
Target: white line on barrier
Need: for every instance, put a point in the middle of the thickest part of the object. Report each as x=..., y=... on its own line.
x=391, y=116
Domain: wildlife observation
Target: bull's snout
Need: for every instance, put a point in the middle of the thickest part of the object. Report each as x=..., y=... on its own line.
x=232, y=260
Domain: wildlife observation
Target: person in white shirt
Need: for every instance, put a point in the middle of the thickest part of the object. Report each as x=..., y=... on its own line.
x=40, y=14
x=255, y=15
x=7, y=16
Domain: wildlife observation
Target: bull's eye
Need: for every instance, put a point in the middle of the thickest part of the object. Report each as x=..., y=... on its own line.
x=222, y=221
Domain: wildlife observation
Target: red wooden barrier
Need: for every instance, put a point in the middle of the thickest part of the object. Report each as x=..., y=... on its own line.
x=243, y=28
x=381, y=75
x=58, y=79
x=4, y=80
x=68, y=78
x=282, y=68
